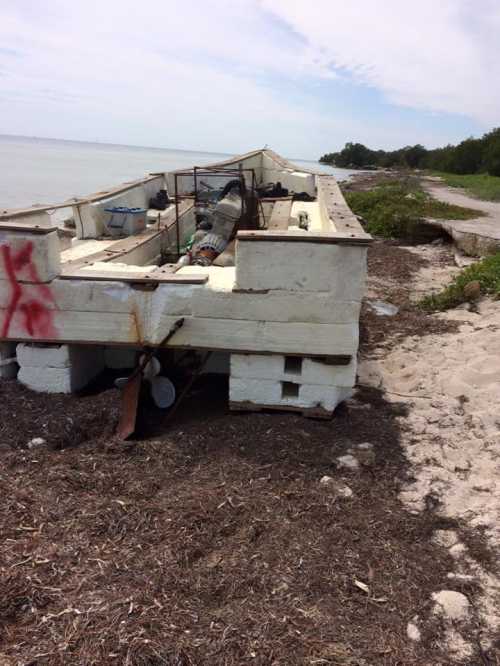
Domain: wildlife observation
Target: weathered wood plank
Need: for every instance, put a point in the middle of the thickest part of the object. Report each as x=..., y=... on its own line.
x=280, y=216
x=25, y=225
x=153, y=277
x=325, y=237
x=124, y=245
x=308, y=412
x=334, y=205
x=67, y=267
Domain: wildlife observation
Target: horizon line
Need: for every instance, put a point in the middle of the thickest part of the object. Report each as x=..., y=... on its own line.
x=132, y=145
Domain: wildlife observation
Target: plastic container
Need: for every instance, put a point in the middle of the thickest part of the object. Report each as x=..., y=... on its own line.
x=125, y=221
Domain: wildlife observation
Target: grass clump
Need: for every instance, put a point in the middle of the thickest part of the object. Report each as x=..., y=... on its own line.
x=486, y=272
x=396, y=210
x=480, y=185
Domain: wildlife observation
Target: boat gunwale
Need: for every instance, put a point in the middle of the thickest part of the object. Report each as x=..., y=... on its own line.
x=353, y=233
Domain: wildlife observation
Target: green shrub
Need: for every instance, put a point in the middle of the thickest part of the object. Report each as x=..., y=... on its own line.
x=396, y=210
x=486, y=272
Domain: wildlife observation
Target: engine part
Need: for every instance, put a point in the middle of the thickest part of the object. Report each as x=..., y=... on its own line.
x=207, y=249
x=132, y=388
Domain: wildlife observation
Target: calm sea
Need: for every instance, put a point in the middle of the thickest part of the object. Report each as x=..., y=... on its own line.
x=50, y=171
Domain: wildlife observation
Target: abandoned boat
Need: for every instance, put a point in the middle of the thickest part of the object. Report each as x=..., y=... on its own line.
x=262, y=262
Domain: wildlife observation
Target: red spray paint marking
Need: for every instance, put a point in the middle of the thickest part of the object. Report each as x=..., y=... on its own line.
x=37, y=317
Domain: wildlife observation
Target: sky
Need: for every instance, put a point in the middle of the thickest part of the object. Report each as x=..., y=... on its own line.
x=235, y=75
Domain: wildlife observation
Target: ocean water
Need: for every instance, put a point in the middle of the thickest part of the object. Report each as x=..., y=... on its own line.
x=48, y=171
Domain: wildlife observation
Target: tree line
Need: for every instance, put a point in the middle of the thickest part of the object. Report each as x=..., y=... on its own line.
x=470, y=156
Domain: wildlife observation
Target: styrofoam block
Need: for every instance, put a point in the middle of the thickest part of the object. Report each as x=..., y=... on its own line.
x=259, y=391
x=46, y=380
x=90, y=327
x=259, y=366
x=117, y=358
x=248, y=336
x=109, y=296
x=270, y=392
x=316, y=372
x=285, y=306
x=173, y=299
x=147, y=321
x=41, y=253
x=8, y=363
x=43, y=356
x=82, y=295
x=293, y=266
x=327, y=397
x=85, y=364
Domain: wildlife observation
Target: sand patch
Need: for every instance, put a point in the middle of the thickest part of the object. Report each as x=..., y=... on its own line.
x=450, y=383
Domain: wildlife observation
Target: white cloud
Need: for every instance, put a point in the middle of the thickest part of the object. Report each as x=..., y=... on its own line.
x=162, y=74
x=439, y=56
x=236, y=75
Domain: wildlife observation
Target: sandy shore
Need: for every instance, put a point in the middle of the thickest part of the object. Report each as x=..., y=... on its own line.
x=449, y=384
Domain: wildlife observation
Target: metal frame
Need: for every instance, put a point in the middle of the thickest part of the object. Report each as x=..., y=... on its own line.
x=207, y=172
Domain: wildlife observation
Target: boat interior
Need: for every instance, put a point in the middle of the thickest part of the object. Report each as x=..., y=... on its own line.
x=168, y=226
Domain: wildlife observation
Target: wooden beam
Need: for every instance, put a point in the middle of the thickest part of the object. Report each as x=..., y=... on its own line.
x=308, y=412
x=334, y=205
x=161, y=276
x=331, y=237
x=280, y=217
x=24, y=225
